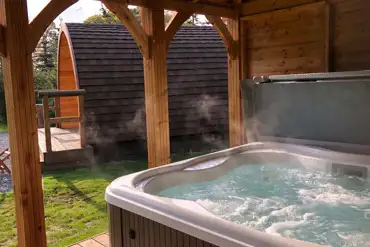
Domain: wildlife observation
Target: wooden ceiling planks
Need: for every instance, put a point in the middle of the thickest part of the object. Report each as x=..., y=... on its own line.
x=263, y=6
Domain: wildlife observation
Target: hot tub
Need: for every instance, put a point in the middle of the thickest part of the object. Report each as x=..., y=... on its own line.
x=141, y=216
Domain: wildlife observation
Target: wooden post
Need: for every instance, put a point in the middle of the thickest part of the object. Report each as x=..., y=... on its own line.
x=236, y=125
x=21, y=112
x=81, y=110
x=156, y=94
x=57, y=108
x=329, y=36
x=45, y=106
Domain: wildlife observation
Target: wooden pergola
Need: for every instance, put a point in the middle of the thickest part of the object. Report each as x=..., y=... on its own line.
x=18, y=39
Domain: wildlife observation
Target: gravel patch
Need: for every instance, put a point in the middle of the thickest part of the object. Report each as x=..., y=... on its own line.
x=5, y=179
x=4, y=140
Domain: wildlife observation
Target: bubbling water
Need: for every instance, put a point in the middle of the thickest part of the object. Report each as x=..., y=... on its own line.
x=288, y=200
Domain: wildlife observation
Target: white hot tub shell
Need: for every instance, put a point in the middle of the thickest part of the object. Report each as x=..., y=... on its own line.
x=140, y=218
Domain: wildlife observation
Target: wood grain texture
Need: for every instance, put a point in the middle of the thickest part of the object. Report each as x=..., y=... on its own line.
x=45, y=106
x=67, y=80
x=236, y=123
x=329, y=37
x=132, y=25
x=156, y=90
x=174, y=24
x=287, y=41
x=41, y=22
x=243, y=75
x=263, y=6
x=21, y=116
x=351, y=31
x=132, y=230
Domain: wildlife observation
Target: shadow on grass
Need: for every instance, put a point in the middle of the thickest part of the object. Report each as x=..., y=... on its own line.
x=98, y=176
x=84, y=197
x=2, y=198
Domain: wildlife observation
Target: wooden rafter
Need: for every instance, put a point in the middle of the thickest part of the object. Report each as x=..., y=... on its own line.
x=185, y=6
x=41, y=22
x=132, y=25
x=2, y=41
x=224, y=32
x=173, y=26
x=262, y=6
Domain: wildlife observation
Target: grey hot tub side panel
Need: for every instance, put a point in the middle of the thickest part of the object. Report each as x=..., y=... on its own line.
x=328, y=111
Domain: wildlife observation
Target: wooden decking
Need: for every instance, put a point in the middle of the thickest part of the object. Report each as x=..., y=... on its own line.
x=66, y=149
x=101, y=240
x=61, y=139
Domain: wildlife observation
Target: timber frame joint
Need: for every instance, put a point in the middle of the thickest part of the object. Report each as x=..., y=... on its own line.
x=174, y=25
x=232, y=45
x=41, y=22
x=234, y=50
x=122, y=11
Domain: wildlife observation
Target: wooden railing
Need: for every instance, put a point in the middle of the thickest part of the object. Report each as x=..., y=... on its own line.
x=46, y=95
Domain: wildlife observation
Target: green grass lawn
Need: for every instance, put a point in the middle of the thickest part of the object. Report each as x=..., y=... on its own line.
x=74, y=203
x=3, y=128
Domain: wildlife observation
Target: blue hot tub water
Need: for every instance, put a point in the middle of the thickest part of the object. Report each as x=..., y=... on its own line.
x=288, y=200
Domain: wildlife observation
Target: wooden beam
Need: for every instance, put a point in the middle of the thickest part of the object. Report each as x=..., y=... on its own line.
x=81, y=110
x=329, y=37
x=132, y=25
x=262, y=6
x=185, y=6
x=156, y=89
x=225, y=34
x=2, y=41
x=236, y=121
x=57, y=120
x=243, y=57
x=173, y=26
x=41, y=22
x=45, y=106
x=21, y=115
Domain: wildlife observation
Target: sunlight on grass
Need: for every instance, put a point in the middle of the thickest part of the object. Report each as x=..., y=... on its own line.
x=74, y=203
x=75, y=208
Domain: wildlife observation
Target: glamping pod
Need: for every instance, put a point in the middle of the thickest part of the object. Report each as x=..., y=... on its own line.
x=106, y=62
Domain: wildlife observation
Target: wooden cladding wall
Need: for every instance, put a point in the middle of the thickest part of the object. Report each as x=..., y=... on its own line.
x=330, y=35
x=66, y=81
x=351, y=35
x=286, y=41
x=110, y=69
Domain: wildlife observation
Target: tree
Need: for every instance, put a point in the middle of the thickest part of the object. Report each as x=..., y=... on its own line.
x=44, y=57
x=108, y=17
